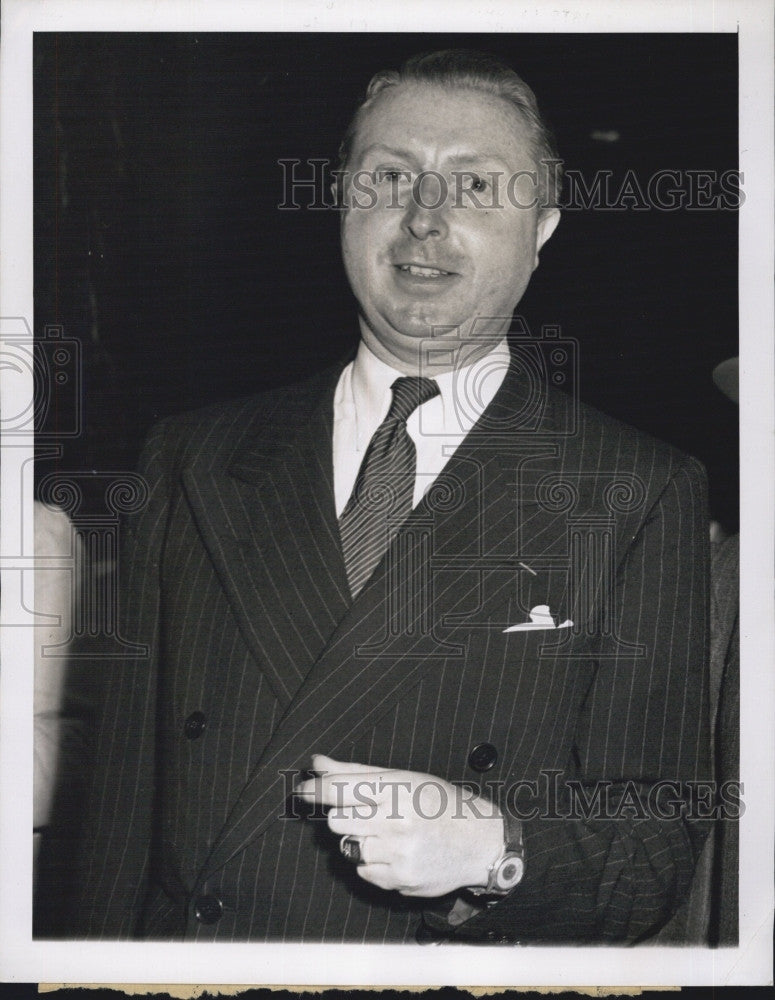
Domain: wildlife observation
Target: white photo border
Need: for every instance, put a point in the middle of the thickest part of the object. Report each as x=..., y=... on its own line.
x=24, y=959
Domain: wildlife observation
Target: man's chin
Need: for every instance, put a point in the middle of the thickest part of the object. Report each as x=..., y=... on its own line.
x=416, y=338
x=411, y=347
x=429, y=326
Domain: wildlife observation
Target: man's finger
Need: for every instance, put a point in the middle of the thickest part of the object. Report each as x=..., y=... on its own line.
x=376, y=851
x=373, y=850
x=325, y=764
x=357, y=789
x=380, y=875
x=356, y=820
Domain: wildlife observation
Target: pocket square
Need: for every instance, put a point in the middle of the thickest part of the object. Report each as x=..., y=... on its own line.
x=540, y=618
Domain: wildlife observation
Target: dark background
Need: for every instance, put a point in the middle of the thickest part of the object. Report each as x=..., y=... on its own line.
x=160, y=248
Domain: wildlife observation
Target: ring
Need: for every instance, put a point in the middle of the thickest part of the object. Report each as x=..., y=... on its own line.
x=351, y=849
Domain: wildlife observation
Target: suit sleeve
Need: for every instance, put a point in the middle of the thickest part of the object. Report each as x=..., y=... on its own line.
x=114, y=866
x=618, y=873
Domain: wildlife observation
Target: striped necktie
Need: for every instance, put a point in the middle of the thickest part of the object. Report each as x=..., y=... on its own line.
x=382, y=497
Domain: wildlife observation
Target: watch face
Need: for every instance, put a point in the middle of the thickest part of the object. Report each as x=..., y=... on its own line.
x=510, y=872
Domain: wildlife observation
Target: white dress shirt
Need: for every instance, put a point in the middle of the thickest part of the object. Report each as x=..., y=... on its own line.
x=437, y=427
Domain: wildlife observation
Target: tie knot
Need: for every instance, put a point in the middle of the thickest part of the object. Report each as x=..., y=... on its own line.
x=409, y=392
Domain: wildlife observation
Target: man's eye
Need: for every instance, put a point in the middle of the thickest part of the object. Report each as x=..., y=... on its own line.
x=392, y=175
x=475, y=182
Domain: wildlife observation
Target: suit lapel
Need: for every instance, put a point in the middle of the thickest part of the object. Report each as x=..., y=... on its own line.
x=383, y=645
x=269, y=523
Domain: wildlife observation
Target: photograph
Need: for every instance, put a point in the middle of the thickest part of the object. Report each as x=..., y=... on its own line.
x=381, y=480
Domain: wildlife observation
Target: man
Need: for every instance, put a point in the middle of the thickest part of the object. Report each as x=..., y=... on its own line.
x=475, y=609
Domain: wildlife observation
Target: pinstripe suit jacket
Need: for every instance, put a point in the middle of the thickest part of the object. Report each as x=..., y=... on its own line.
x=233, y=577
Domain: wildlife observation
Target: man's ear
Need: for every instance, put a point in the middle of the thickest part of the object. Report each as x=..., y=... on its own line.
x=547, y=223
x=339, y=189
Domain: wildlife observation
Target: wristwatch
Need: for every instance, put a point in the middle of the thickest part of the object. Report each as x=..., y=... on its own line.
x=507, y=870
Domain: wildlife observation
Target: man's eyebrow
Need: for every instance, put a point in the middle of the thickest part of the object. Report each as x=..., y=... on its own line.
x=476, y=158
x=463, y=158
x=379, y=147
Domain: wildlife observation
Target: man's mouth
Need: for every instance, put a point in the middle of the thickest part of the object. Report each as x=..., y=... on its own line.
x=421, y=271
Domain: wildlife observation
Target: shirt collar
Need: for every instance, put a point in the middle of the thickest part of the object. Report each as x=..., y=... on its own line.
x=465, y=393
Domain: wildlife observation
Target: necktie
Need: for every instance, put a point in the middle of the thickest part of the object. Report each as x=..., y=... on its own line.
x=381, y=499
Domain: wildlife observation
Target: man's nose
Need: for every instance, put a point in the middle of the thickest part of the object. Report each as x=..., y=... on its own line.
x=426, y=213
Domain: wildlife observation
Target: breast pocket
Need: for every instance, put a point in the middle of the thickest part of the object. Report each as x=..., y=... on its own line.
x=515, y=704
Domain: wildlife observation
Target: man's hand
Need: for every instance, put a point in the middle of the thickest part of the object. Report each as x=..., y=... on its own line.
x=418, y=834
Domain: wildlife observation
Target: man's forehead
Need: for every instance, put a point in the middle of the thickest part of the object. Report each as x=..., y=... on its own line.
x=470, y=124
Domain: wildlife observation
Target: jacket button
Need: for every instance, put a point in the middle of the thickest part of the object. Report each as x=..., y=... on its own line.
x=194, y=725
x=483, y=757
x=208, y=909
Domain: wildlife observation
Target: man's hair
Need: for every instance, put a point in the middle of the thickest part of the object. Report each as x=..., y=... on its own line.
x=471, y=70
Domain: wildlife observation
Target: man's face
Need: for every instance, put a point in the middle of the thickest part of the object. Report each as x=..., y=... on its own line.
x=445, y=254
